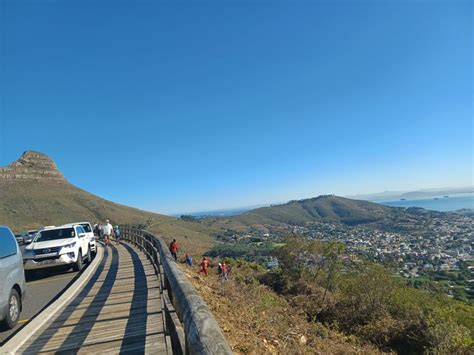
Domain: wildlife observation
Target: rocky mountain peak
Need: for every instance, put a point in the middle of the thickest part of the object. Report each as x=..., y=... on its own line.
x=32, y=166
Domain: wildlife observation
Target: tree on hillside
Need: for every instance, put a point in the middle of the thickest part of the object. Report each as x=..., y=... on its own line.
x=310, y=264
x=366, y=299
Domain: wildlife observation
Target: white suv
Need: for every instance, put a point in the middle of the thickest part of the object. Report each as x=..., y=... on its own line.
x=58, y=246
x=90, y=234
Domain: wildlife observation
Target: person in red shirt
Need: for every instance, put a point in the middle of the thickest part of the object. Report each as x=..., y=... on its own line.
x=174, y=249
x=204, y=266
x=225, y=270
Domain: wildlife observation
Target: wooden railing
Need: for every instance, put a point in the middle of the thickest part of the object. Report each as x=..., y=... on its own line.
x=181, y=303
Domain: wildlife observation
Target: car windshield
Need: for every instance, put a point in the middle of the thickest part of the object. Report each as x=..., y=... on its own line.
x=86, y=227
x=54, y=234
x=32, y=232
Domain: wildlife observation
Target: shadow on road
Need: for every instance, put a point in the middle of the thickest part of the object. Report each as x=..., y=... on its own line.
x=46, y=335
x=47, y=273
x=43, y=287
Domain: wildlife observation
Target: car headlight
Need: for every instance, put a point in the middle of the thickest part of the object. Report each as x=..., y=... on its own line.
x=28, y=254
x=68, y=246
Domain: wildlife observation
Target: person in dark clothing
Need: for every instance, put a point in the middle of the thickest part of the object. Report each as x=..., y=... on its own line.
x=189, y=260
x=117, y=234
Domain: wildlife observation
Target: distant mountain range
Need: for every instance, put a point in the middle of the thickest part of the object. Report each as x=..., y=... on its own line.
x=33, y=193
x=412, y=195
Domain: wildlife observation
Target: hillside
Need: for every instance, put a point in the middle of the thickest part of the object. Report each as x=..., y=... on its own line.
x=257, y=320
x=327, y=208
x=318, y=209
x=35, y=193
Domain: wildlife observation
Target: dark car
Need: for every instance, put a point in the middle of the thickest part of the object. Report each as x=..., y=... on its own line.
x=19, y=238
x=28, y=236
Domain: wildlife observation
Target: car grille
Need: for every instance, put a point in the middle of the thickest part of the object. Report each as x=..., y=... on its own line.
x=47, y=250
x=47, y=258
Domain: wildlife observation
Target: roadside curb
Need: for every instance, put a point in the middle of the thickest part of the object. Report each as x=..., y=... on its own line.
x=14, y=344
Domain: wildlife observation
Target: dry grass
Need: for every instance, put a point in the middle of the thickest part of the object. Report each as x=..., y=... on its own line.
x=32, y=204
x=255, y=320
x=191, y=239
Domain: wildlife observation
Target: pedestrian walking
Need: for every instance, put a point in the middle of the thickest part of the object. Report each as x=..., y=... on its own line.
x=188, y=259
x=101, y=231
x=117, y=234
x=174, y=249
x=107, y=230
x=204, y=266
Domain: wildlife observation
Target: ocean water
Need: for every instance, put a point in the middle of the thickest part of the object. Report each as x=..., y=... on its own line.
x=451, y=203
x=220, y=213
x=443, y=204
x=217, y=213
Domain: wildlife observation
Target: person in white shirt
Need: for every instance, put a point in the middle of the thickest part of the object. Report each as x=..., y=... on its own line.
x=107, y=230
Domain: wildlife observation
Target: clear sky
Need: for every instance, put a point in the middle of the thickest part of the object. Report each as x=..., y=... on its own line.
x=177, y=106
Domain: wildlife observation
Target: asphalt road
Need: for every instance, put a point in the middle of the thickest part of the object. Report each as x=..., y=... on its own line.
x=41, y=290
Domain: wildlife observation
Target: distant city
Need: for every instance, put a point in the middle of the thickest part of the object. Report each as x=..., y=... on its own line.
x=429, y=248
x=425, y=245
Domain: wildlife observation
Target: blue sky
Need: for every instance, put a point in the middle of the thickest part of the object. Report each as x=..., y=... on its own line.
x=181, y=106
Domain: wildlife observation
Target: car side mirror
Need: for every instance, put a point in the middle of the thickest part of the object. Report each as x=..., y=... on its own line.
x=82, y=235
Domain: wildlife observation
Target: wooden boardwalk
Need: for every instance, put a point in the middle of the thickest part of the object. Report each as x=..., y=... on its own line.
x=118, y=311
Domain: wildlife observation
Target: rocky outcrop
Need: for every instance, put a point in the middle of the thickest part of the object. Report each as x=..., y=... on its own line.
x=32, y=166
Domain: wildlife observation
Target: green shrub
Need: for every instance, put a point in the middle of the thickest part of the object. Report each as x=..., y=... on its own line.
x=366, y=300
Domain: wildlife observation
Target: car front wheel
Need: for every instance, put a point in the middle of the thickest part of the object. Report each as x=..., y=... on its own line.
x=13, y=309
x=89, y=257
x=79, y=263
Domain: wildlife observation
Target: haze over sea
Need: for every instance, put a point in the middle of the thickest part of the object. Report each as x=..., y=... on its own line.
x=440, y=203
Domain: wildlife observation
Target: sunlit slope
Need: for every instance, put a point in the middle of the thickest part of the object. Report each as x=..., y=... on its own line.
x=318, y=209
x=26, y=204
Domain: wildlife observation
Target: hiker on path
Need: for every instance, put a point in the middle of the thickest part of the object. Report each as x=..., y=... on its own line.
x=117, y=234
x=107, y=230
x=204, y=266
x=174, y=249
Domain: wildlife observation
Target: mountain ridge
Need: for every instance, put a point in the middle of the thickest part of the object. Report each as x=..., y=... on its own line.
x=320, y=208
x=34, y=192
x=32, y=165
x=416, y=194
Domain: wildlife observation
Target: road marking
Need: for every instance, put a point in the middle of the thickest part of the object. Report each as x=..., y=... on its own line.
x=49, y=280
x=23, y=321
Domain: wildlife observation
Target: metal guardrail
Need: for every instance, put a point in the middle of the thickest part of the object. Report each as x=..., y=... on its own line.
x=181, y=303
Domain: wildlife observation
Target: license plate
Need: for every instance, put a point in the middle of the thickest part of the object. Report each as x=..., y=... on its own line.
x=47, y=262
